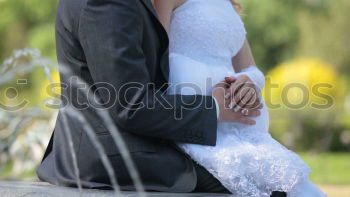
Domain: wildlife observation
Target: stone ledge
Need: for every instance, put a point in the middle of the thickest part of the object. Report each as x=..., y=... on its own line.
x=40, y=189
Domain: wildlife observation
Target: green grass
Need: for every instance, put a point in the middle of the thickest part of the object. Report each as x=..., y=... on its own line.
x=5, y=173
x=5, y=170
x=329, y=168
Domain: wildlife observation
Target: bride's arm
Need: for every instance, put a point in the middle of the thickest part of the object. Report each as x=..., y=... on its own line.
x=247, y=75
x=244, y=58
x=165, y=9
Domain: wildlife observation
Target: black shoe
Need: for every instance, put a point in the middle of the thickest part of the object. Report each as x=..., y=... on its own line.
x=279, y=194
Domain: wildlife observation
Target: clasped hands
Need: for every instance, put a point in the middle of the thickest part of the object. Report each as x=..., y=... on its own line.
x=238, y=100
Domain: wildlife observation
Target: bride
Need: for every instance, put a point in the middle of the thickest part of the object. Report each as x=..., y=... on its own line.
x=208, y=43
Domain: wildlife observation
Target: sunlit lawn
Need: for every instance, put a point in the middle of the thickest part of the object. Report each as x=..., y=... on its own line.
x=331, y=171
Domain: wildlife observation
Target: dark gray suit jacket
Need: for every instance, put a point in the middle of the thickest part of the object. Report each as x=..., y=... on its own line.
x=110, y=43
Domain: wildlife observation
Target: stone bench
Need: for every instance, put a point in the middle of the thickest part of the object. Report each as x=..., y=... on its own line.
x=40, y=189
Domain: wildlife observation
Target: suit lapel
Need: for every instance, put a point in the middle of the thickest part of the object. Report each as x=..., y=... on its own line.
x=150, y=7
x=163, y=37
x=163, y=34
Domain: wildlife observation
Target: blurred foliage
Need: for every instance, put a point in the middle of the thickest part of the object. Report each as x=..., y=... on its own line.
x=25, y=121
x=27, y=24
x=304, y=42
x=306, y=101
x=326, y=34
x=272, y=29
x=281, y=30
x=36, y=72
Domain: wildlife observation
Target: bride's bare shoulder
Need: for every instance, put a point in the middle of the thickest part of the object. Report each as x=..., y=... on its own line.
x=166, y=4
x=165, y=9
x=180, y=2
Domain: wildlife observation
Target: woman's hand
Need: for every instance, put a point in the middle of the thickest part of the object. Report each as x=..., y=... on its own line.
x=226, y=114
x=243, y=94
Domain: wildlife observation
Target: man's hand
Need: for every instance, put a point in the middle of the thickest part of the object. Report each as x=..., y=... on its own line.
x=243, y=94
x=226, y=113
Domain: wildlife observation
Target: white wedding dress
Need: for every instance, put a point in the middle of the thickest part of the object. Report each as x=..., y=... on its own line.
x=204, y=36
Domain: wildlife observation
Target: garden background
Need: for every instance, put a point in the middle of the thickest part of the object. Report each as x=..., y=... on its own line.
x=303, y=42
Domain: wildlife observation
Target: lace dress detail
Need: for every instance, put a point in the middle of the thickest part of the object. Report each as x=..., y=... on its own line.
x=204, y=36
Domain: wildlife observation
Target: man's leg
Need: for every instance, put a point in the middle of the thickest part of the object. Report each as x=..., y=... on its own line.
x=207, y=183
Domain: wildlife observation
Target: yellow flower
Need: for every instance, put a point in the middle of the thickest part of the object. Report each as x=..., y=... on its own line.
x=301, y=83
x=47, y=91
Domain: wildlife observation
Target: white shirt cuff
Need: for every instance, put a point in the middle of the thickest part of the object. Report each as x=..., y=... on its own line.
x=217, y=108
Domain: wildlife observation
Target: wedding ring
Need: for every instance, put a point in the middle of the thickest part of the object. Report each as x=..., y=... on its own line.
x=245, y=112
x=237, y=108
x=230, y=106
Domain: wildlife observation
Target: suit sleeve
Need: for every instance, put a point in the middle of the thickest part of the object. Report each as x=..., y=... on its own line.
x=110, y=32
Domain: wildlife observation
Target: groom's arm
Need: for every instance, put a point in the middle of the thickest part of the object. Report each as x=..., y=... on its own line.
x=111, y=35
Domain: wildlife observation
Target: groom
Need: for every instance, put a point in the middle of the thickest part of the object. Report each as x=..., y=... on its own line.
x=121, y=50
